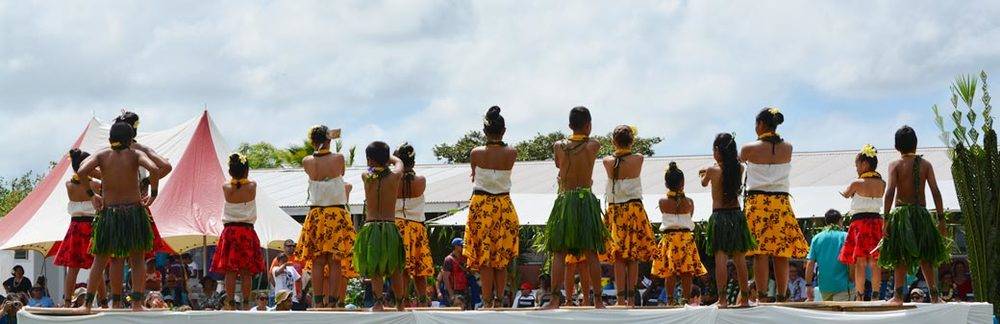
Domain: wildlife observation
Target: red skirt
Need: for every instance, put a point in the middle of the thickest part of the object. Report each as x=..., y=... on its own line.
x=862, y=238
x=74, y=250
x=159, y=245
x=238, y=250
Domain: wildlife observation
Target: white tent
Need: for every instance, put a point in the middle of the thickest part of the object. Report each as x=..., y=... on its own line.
x=189, y=208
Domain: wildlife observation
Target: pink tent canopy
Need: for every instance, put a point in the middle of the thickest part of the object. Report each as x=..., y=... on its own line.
x=188, y=211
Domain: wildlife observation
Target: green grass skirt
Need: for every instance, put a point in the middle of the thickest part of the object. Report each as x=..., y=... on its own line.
x=911, y=236
x=378, y=250
x=575, y=224
x=121, y=230
x=728, y=232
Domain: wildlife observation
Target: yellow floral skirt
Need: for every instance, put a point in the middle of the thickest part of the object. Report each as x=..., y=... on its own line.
x=417, y=246
x=326, y=230
x=773, y=223
x=491, y=232
x=631, y=235
x=678, y=256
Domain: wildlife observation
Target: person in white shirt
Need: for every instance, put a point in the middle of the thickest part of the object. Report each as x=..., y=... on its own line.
x=526, y=298
x=261, y=304
x=285, y=276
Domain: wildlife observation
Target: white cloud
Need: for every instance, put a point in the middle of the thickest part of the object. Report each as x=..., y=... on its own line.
x=426, y=71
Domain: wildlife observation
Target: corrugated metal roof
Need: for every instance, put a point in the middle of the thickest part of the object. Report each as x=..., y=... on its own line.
x=449, y=185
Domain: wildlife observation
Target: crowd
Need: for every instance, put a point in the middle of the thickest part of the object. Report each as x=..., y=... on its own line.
x=599, y=255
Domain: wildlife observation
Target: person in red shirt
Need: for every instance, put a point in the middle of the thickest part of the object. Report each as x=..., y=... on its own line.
x=455, y=280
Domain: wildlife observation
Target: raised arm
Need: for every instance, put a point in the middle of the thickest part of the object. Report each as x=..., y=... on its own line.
x=161, y=162
x=88, y=166
x=705, y=178
x=556, y=149
x=397, y=164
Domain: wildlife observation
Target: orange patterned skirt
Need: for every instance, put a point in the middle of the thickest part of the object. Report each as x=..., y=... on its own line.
x=773, y=223
x=417, y=246
x=326, y=230
x=631, y=235
x=491, y=232
x=678, y=256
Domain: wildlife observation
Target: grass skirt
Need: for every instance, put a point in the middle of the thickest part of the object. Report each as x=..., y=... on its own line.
x=862, y=240
x=74, y=250
x=631, y=235
x=575, y=225
x=238, y=250
x=911, y=236
x=379, y=250
x=728, y=232
x=326, y=230
x=417, y=248
x=491, y=232
x=121, y=230
x=773, y=225
x=678, y=256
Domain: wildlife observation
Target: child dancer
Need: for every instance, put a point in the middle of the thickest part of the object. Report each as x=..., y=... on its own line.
x=327, y=235
x=379, y=251
x=410, y=220
x=74, y=251
x=575, y=225
x=631, y=235
x=910, y=234
x=728, y=234
x=238, y=251
x=678, y=253
x=492, y=229
x=861, y=247
x=121, y=229
x=768, y=207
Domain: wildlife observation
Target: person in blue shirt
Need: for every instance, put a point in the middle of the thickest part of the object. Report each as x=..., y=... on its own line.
x=38, y=298
x=834, y=280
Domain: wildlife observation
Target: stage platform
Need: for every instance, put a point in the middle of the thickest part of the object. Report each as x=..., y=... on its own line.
x=952, y=313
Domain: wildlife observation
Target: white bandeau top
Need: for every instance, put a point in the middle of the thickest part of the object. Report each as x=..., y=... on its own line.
x=410, y=209
x=81, y=208
x=676, y=221
x=623, y=190
x=861, y=204
x=768, y=177
x=329, y=192
x=240, y=212
x=492, y=181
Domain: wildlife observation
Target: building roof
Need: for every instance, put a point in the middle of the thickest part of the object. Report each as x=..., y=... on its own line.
x=816, y=179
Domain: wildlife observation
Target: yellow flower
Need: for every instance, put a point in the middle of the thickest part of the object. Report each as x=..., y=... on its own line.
x=243, y=158
x=868, y=150
x=635, y=130
x=774, y=110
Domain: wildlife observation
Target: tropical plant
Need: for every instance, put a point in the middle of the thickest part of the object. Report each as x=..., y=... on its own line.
x=14, y=190
x=537, y=148
x=976, y=172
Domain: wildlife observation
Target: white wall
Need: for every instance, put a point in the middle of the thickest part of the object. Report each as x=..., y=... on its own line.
x=37, y=265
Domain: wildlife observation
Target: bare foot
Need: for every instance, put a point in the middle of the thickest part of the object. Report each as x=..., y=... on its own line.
x=554, y=304
x=400, y=307
x=137, y=307
x=377, y=307
x=599, y=305
x=895, y=301
x=722, y=304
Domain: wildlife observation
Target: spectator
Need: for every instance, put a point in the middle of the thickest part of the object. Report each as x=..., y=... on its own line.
x=79, y=297
x=154, y=280
x=176, y=282
x=695, y=298
x=545, y=292
x=8, y=313
x=42, y=283
x=261, y=303
x=285, y=276
x=282, y=298
x=796, y=285
x=917, y=296
x=526, y=297
x=17, y=283
x=886, y=286
x=947, y=286
x=453, y=271
x=834, y=280
x=211, y=297
x=154, y=300
x=963, y=283
x=289, y=250
x=38, y=298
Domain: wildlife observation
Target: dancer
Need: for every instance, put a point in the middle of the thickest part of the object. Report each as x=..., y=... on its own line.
x=768, y=207
x=148, y=187
x=728, y=233
x=575, y=225
x=379, y=251
x=121, y=229
x=865, y=231
x=678, y=252
x=327, y=235
x=74, y=250
x=410, y=221
x=238, y=252
x=910, y=234
x=631, y=234
x=492, y=229
x=578, y=265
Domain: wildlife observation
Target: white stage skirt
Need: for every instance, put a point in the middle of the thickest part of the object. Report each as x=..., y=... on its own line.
x=953, y=313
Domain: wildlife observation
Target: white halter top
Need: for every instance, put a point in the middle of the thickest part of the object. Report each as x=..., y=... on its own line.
x=410, y=209
x=81, y=208
x=768, y=177
x=329, y=192
x=240, y=212
x=676, y=221
x=623, y=190
x=861, y=204
x=492, y=181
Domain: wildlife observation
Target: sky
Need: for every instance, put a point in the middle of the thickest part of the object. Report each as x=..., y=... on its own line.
x=844, y=73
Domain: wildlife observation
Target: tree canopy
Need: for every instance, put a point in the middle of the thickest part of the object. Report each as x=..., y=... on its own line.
x=537, y=148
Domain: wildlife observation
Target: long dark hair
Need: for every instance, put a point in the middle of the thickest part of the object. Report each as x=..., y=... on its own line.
x=725, y=144
x=406, y=153
x=493, y=123
x=238, y=168
x=674, y=178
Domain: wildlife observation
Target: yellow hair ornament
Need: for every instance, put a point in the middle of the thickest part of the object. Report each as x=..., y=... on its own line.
x=869, y=151
x=774, y=110
x=116, y=145
x=635, y=130
x=672, y=194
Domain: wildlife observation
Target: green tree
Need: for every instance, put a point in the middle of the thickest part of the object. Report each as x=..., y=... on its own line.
x=537, y=148
x=459, y=152
x=262, y=155
x=14, y=190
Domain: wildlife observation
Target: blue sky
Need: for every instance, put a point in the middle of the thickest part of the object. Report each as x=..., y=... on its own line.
x=844, y=73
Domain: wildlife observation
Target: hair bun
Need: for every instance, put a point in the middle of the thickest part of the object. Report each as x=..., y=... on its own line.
x=493, y=112
x=779, y=118
x=233, y=158
x=672, y=165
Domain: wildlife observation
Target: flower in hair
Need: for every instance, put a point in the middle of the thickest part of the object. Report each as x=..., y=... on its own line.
x=635, y=130
x=774, y=110
x=243, y=158
x=868, y=150
x=486, y=121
